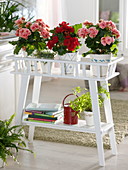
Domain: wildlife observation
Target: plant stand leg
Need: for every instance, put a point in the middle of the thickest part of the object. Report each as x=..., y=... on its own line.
x=96, y=111
x=22, y=98
x=31, y=133
x=35, y=99
x=109, y=118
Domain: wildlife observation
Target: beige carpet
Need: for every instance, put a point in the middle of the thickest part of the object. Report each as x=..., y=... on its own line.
x=120, y=116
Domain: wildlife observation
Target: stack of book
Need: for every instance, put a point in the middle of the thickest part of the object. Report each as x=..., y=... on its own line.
x=43, y=113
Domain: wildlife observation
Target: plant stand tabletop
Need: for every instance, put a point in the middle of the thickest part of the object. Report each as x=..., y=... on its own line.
x=22, y=66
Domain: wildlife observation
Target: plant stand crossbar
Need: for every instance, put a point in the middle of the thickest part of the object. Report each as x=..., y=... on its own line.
x=23, y=68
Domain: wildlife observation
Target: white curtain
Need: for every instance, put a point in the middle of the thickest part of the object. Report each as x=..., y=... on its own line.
x=50, y=11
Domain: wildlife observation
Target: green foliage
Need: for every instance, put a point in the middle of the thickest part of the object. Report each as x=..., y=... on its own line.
x=11, y=139
x=83, y=102
x=8, y=15
x=76, y=27
x=46, y=54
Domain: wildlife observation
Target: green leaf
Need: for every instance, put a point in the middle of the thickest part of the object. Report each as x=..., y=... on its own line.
x=76, y=27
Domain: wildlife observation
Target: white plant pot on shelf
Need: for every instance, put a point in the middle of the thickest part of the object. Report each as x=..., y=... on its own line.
x=69, y=68
x=89, y=118
x=100, y=58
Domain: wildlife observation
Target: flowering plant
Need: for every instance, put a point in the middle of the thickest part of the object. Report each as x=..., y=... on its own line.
x=32, y=36
x=101, y=38
x=64, y=38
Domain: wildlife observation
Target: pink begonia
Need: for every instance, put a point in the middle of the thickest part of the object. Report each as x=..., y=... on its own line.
x=44, y=33
x=103, y=41
x=24, y=33
x=34, y=27
x=20, y=21
x=28, y=24
x=102, y=24
x=116, y=32
x=82, y=32
x=39, y=20
x=17, y=33
x=110, y=25
x=108, y=40
x=93, y=32
x=86, y=23
x=113, y=39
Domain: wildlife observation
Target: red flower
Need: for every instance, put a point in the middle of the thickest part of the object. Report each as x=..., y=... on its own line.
x=71, y=43
x=50, y=44
x=55, y=39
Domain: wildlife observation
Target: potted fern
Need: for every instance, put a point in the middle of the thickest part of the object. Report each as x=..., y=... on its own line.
x=11, y=140
x=83, y=102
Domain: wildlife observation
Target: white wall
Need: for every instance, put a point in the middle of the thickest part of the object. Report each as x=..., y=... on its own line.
x=72, y=11
x=77, y=11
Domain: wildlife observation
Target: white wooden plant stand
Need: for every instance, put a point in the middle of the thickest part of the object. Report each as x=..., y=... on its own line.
x=23, y=67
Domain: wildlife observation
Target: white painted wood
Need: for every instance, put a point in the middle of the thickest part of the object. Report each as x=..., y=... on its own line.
x=35, y=99
x=96, y=111
x=31, y=133
x=99, y=128
x=109, y=118
x=36, y=89
x=22, y=98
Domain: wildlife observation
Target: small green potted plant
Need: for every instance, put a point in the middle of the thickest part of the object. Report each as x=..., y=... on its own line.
x=11, y=140
x=83, y=102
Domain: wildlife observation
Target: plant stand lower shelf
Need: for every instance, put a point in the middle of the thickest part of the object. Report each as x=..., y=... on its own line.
x=99, y=128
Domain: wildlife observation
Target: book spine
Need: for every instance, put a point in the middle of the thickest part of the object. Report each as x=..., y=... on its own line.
x=47, y=120
x=42, y=117
x=38, y=121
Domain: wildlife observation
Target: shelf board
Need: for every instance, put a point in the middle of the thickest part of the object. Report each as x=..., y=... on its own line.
x=81, y=126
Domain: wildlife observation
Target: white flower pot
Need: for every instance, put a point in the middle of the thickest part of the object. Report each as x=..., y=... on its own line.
x=89, y=118
x=69, y=68
x=100, y=58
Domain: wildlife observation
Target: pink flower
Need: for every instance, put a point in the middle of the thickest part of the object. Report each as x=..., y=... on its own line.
x=103, y=41
x=113, y=39
x=34, y=27
x=45, y=33
x=116, y=32
x=108, y=40
x=20, y=21
x=38, y=20
x=82, y=32
x=110, y=25
x=87, y=23
x=28, y=24
x=93, y=32
x=17, y=33
x=24, y=33
x=102, y=24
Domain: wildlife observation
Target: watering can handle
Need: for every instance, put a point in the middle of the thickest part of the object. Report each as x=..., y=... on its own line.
x=66, y=97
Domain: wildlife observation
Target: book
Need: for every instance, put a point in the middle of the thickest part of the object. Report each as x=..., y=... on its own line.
x=30, y=120
x=42, y=117
x=46, y=120
x=53, y=107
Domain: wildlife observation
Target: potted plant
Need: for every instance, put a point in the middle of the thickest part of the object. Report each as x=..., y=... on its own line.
x=102, y=39
x=32, y=36
x=8, y=14
x=64, y=40
x=83, y=103
x=11, y=140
